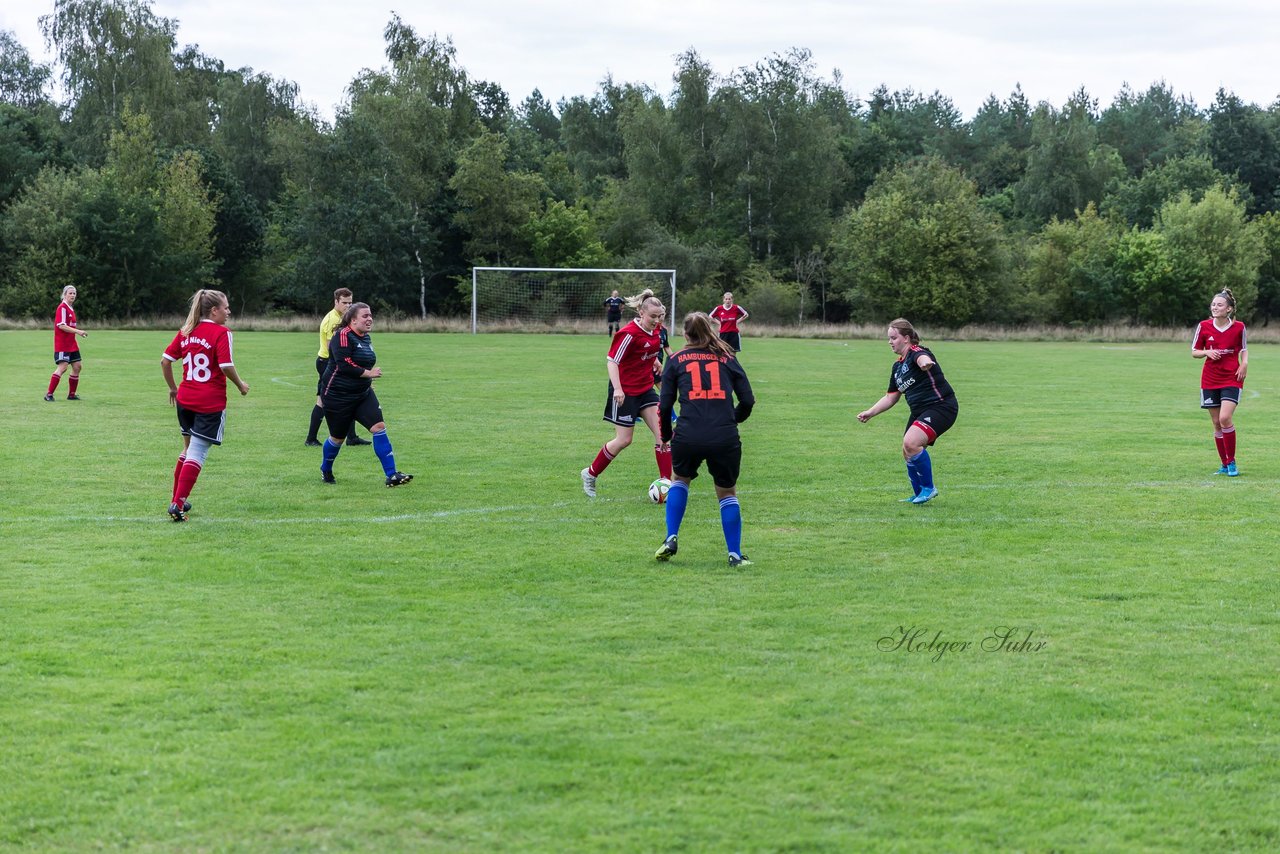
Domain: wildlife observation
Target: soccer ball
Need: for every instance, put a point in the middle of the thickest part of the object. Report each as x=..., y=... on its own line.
x=658, y=490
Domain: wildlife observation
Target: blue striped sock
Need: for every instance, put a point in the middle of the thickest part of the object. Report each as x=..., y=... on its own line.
x=914, y=474
x=328, y=454
x=924, y=468
x=731, y=521
x=677, y=500
x=382, y=447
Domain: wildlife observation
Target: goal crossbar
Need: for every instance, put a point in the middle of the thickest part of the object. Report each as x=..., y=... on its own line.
x=475, y=271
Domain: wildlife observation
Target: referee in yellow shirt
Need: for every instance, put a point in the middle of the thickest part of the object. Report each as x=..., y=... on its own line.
x=341, y=302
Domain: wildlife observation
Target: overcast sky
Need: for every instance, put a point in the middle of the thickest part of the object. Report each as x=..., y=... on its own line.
x=965, y=50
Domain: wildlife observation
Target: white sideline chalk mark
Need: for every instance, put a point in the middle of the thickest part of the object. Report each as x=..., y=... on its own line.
x=284, y=381
x=215, y=518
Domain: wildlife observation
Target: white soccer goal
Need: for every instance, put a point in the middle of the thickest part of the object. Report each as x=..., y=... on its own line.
x=557, y=298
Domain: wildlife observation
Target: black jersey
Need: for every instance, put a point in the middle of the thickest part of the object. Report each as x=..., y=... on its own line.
x=706, y=384
x=921, y=388
x=350, y=355
x=613, y=307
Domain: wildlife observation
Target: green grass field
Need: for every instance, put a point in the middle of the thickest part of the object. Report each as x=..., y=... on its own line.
x=487, y=660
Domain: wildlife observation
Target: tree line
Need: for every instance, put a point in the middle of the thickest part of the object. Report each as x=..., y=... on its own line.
x=158, y=171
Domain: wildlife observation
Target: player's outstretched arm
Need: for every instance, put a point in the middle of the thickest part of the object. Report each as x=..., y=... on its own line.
x=881, y=405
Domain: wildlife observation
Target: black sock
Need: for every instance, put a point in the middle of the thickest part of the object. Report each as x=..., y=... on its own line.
x=317, y=415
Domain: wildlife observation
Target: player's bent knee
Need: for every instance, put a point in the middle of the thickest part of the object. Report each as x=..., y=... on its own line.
x=380, y=427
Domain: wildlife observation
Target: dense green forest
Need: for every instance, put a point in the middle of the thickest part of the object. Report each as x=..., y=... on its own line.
x=163, y=171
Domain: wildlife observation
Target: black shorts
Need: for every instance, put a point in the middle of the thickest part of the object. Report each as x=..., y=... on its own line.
x=206, y=425
x=628, y=413
x=733, y=339
x=723, y=461
x=339, y=415
x=68, y=356
x=935, y=420
x=321, y=364
x=1211, y=398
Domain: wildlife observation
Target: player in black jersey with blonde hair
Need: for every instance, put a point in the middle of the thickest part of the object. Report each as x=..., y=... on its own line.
x=918, y=377
x=706, y=377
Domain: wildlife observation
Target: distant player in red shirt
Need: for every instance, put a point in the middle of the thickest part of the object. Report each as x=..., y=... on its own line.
x=729, y=314
x=203, y=347
x=66, y=352
x=630, y=366
x=1220, y=341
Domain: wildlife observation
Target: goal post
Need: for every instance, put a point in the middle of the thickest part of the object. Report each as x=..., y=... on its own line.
x=557, y=299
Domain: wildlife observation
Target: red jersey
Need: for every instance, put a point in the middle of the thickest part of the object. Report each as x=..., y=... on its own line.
x=728, y=317
x=64, y=342
x=203, y=353
x=1222, y=373
x=633, y=351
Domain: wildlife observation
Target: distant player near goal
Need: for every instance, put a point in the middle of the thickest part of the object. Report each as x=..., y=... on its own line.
x=203, y=348
x=631, y=396
x=66, y=352
x=1221, y=342
x=613, y=312
x=729, y=315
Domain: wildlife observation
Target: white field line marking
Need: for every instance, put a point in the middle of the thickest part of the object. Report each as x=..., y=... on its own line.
x=874, y=494
x=215, y=517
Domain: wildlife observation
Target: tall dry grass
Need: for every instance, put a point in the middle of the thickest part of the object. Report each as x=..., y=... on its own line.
x=1117, y=333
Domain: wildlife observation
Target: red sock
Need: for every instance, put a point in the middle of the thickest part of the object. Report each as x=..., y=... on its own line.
x=177, y=470
x=53, y=383
x=1222, y=446
x=664, y=461
x=186, y=480
x=1229, y=443
x=72, y=383
x=601, y=462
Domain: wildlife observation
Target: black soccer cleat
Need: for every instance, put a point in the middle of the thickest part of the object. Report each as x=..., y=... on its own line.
x=314, y=443
x=736, y=561
x=356, y=440
x=667, y=549
x=178, y=512
x=398, y=479
x=327, y=476
x=48, y=398
x=73, y=397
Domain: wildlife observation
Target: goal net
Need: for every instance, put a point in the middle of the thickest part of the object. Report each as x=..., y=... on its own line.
x=554, y=299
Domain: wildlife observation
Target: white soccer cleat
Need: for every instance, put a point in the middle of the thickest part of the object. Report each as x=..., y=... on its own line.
x=588, y=483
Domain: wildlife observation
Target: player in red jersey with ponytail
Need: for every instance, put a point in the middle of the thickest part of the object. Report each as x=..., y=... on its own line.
x=203, y=347
x=631, y=396
x=1221, y=342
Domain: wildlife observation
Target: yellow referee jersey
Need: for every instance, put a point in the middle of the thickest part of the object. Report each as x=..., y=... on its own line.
x=328, y=326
